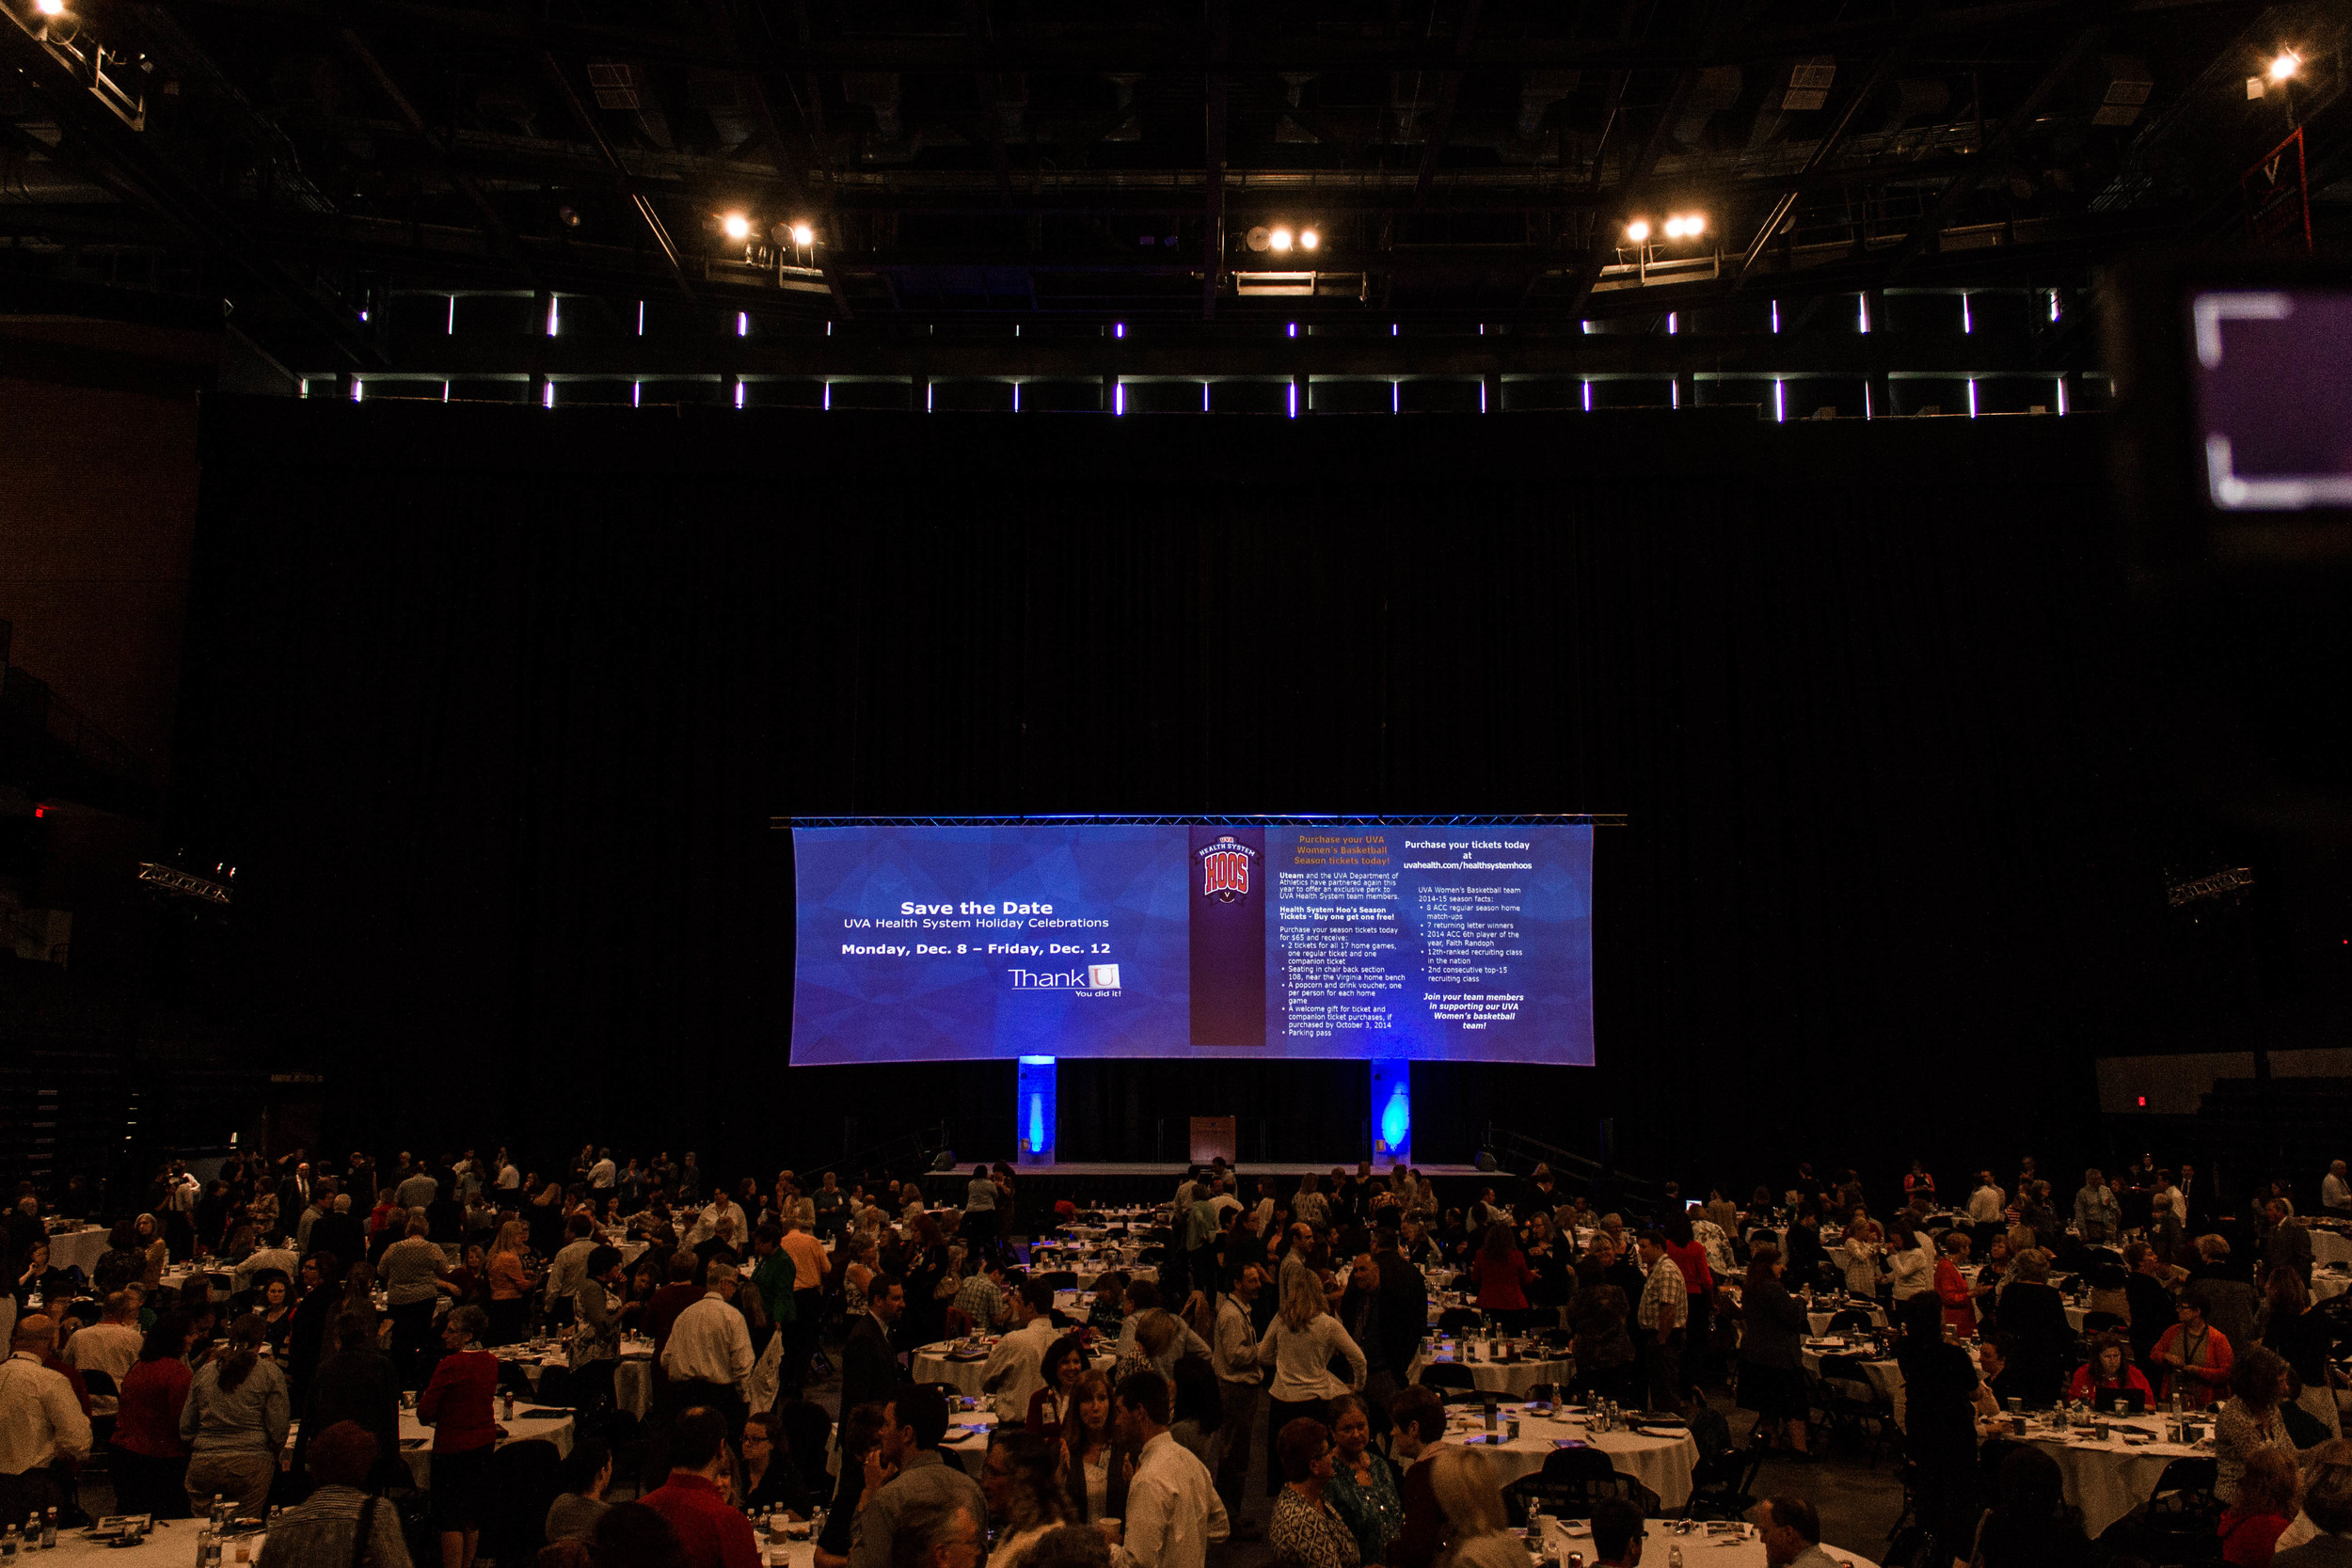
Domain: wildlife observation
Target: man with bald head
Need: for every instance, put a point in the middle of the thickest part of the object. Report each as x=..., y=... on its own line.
x=42, y=1422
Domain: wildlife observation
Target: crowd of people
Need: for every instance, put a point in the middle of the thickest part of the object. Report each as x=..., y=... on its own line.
x=1283, y=1327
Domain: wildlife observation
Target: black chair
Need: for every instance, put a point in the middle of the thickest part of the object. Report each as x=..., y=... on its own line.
x=2180, y=1524
x=1852, y=1318
x=1723, y=1485
x=1459, y=1319
x=1059, y=1279
x=2101, y=1323
x=808, y=1434
x=1841, y=1394
x=1447, y=1374
x=1571, y=1480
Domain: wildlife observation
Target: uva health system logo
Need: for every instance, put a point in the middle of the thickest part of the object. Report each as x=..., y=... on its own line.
x=1225, y=869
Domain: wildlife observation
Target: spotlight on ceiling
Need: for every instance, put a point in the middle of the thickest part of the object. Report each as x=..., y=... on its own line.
x=736, y=226
x=1309, y=239
x=1637, y=231
x=50, y=8
x=802, y=234
x=1258, y=238
x=2286, y=65
x=1278, y=240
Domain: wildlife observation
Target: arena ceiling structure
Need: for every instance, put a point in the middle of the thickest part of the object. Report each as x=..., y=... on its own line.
x=703, y=188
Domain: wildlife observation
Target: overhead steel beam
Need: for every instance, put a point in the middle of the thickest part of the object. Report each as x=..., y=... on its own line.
x=133, y=166
x=621, y=182
x=1212, y=224
x=1995, y=154
x=1822, y=152
x=1259, y=51
x=984, y=82
x=356, y=48
x=1449, y=92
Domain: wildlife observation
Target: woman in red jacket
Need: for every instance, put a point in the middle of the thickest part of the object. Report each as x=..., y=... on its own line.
x=2108, y=1370
x=149, y=1461
x=1959, y=1298
x=456, y=1405
x=1501, y=1274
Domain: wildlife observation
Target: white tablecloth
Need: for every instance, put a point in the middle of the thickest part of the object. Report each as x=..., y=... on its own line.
x=1661, y=1463
x=1699, y=1549
x=633, y=1377
x=931, y=1364
x=2328, y=1247
x=2325, y=1285
x=2106, y=1481
x=1514, y=1378
x=1821, y=1320
x=78, y=1249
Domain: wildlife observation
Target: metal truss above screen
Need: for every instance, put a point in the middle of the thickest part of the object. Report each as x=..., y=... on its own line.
x=750, y=169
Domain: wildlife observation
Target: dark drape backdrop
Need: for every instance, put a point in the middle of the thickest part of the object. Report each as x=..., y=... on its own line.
x=492, y=706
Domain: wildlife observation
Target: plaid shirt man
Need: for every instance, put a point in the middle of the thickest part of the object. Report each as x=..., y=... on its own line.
x=1663, y=1296
x=983, y=1302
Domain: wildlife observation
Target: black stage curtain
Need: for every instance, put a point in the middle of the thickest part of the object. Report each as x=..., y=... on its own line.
x=492, y=705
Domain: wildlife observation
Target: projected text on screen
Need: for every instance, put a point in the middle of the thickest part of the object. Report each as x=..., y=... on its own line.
x=927, y=943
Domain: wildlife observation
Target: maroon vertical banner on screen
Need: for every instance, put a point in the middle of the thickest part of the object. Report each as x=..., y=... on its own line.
x=1228, y=895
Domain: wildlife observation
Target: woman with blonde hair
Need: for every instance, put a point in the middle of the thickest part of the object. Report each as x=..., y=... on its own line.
x=1477, y=1531
x=1299, y=1344
x=511, y=1284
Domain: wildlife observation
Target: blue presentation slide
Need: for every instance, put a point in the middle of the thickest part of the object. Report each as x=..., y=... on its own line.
x=1206, y=941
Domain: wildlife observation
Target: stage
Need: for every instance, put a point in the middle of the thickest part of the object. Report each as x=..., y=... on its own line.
x=1092, y=1183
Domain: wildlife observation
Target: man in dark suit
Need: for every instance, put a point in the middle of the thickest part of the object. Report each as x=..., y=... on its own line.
x=340, y=1232
x=1404, y=1297
x=870, y=1373
x=2197, y=1197
x=293, y=1193
x=2151, y=1304
x=2033, y=1318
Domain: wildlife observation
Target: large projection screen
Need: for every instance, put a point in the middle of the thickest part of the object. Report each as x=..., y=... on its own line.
x=1208, y=940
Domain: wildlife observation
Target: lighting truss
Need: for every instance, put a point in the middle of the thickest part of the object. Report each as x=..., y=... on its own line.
x=1308, y=819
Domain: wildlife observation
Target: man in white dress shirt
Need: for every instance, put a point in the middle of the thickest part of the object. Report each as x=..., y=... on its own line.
x=709, y=1356
x=41, y=1420
x=1241, y=1382
x=1014, y=1369
x=602, y=1174
x=1173, y=1512
x=723, y=1221
x=2335, y=1191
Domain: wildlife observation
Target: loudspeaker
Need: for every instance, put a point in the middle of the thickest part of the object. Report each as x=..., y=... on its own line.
x=944, y=1159
x=1486, y=1161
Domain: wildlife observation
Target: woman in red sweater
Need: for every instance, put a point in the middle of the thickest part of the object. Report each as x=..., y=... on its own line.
x=1501, y=1274
x=456, y=1405
x=1960, y=1301
x=2265, y=1504
x=149, y=1458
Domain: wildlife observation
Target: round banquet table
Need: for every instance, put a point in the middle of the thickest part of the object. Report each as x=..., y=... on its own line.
x=173, y=1541
x=1699, y=1548
x=415, y=1439
x=937, y=1363
x=1821, y=1320
x=2328, y=1247
x=2325, y=1285
x=632, y=1375
x=78, y=1249
x=1512, y=1378
x=1664, y=1464
x=2106, y=1481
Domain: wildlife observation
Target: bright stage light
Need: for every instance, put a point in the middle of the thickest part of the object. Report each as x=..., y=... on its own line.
x=1637, y=231
x=1673, y=228
x=1279, y=240
x=736, y=226
x=1309, y=239
x=50, y=8
x=802, y=234
x=2284, y=66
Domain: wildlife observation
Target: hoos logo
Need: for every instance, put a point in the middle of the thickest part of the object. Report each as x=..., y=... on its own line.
x=1093, y=977
x=1225, y=869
